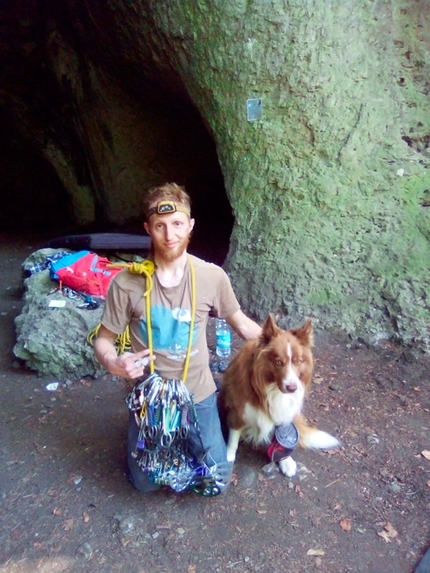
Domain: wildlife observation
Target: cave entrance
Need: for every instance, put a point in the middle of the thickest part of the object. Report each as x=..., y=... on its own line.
x=33, y=197
x=35, y=201
x=190, y=158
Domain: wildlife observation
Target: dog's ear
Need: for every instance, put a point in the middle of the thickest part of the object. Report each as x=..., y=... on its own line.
x=305, y=334
x=269, y=328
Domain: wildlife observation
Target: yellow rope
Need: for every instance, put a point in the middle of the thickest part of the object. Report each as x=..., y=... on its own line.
x=193, y=316
x=93, y=334
x=148, y=319
x=148, y=269
x=123, y=342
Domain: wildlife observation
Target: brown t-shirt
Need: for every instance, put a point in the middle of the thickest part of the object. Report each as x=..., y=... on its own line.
x=171, y=319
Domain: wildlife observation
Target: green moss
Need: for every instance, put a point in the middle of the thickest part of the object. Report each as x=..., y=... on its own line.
x=326, y=225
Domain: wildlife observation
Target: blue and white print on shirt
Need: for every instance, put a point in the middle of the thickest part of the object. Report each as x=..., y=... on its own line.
x=170, y=331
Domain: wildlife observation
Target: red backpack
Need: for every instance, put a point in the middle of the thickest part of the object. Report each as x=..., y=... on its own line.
x=85, y=272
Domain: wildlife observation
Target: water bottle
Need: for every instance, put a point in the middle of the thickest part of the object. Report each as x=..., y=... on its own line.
x=223, y=338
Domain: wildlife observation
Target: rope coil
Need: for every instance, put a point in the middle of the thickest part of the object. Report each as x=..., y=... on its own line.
x=123, y=341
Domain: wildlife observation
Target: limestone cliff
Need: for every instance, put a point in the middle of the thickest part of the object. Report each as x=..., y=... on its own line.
x=329, y=189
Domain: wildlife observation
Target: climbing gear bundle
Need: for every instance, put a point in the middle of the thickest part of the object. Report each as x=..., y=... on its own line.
x=164, y=412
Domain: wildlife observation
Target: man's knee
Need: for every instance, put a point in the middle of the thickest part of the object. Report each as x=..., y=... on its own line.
x=208, y=436
x=140, y=480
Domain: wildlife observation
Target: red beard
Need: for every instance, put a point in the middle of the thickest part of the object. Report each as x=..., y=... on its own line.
x=170, y=255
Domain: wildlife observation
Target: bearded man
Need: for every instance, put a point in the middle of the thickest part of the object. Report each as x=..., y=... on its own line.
x=177, y=278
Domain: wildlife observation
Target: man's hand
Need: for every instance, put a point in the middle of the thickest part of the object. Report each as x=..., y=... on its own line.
x=127, y=365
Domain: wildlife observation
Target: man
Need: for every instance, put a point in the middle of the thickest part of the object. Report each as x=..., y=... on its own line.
x=169, y=224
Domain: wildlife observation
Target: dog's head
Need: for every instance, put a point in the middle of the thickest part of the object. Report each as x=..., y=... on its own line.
x=285, y=356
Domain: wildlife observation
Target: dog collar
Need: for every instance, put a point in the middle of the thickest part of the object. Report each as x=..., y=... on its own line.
x=167, y=207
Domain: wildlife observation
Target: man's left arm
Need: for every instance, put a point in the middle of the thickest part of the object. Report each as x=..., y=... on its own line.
x=244, y=326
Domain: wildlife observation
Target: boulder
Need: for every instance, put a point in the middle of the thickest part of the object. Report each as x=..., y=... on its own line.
x=53, y=339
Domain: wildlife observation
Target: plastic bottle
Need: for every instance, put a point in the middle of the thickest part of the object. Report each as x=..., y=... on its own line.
x=223, y=338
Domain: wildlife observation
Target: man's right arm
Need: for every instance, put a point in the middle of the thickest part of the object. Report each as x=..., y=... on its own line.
x=127, y=365
x=244, y=326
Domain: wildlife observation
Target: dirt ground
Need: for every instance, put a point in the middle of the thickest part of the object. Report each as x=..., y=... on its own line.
x=67, y=504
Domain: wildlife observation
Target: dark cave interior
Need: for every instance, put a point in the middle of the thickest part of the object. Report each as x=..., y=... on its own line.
x=35, y=201
x=35, y=108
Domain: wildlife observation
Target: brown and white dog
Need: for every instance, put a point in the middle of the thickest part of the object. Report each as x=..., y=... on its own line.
x=265, y=385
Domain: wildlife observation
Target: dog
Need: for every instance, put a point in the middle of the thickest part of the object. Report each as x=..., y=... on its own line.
x=265, y=386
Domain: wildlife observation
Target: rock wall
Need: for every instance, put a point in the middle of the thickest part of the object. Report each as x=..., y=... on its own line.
x=50, y=340
x=329, y=189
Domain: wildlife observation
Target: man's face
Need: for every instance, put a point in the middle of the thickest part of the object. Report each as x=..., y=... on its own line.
x=170, y=234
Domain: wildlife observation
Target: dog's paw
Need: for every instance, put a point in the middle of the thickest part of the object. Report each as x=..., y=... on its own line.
x=231, y=455
x=288, y=466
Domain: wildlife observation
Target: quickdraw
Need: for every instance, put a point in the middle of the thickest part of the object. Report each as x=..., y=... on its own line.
x=164, y=411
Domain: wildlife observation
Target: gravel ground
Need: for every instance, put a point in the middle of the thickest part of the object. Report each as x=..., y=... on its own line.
x=67, y=504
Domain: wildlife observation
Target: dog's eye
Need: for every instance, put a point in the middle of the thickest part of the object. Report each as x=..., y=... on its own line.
x=297, y=361
x=279, y=362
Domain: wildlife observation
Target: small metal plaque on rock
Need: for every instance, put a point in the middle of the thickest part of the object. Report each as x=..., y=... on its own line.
x=253, y=109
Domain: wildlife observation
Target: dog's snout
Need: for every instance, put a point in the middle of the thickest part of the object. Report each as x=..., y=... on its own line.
x=291, y=386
